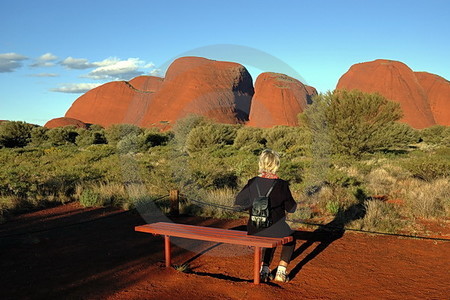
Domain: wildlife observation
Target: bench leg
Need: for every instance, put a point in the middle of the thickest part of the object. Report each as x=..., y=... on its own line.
x=167, y=250
x=257, y=265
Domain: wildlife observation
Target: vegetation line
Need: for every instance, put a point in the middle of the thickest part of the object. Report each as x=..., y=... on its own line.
x=375, y=232
x=330, y=227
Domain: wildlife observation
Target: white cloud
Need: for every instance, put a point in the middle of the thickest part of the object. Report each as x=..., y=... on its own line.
x=44, y=75
x=155, y=72
x=45, y=60
x=75, y=88
x=77, y=63
x=9, y=62
x=115, y=69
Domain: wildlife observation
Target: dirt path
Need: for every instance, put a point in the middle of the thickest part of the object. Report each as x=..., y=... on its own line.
x=105, y=259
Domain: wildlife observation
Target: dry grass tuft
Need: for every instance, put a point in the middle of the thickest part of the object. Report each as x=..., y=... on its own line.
x=428, y=199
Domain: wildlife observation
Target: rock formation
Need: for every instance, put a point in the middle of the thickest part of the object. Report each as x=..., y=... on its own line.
x=437, y=90
x=395, y=81
x=61, y=122
x=278, y=100
x=218, y=90
x=116, y=102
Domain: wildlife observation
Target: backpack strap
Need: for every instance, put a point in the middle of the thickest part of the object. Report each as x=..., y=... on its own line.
x=270, y=190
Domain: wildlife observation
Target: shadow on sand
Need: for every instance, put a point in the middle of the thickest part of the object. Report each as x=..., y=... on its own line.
x=326, y=234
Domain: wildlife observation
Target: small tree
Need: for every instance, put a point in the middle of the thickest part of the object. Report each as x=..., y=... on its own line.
x=62, y=135
x=117, y=132
x=184, y=126
x=15, y=134
x=39, y=135
x=209, y=135
x=353, y=122
x=90, y=137
x=250, y=139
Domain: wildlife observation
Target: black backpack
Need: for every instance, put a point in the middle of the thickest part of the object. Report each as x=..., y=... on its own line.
x=261, y=211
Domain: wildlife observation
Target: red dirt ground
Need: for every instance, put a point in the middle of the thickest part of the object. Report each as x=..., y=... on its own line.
x=103, y=258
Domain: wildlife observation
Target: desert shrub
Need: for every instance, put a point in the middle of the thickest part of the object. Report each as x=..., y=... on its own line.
x=293, y=170
x=89, y=198
x=184, y=126
x=223, y=197
x=353, y=122
x=62, y=135
x=152, y=138
x=379, y=216
x=39, y=135
x=89, y=137
x=287, y=139
x=435, y=134
x=96, y=127
x=130, y=143
x=117, y=132
x=250, y=139
x=15, y=134
x=428, y=167
x=205, y=136
x=429, y=199
x=335, y=199
x=380, y=182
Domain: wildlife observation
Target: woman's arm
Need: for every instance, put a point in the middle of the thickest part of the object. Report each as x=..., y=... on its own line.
x=243, y=197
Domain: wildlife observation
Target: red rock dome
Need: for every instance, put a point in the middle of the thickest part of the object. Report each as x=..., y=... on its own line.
x=278, y=100
x=395, y=81
x=437, y=90
x=61, y=122
x=116, y=102
x=193, y=85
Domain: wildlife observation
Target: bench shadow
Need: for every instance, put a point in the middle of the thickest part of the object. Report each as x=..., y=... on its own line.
x=326, y=234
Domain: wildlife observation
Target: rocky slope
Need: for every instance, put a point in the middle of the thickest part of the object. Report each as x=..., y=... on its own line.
x=424, y=97
x=278, y=100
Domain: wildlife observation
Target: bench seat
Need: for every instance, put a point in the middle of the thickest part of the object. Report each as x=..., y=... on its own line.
x=210, y=234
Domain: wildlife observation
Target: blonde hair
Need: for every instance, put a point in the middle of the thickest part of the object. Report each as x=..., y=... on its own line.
x=269, y=161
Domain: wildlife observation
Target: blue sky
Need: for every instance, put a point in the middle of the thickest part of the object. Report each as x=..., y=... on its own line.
x=53, y=51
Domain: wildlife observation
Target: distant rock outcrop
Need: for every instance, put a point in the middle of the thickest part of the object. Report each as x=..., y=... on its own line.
x=278, y=100
x=116, y=102
x=437, y=90
x=218, y=90
x=61, y=122
x=397, y=82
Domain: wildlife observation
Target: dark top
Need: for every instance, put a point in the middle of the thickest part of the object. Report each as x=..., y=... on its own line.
x=280, y=200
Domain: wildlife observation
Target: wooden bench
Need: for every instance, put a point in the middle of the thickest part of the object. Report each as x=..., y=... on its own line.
x=210, y=234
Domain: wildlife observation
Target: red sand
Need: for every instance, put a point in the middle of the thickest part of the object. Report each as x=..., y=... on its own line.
x=105, y=259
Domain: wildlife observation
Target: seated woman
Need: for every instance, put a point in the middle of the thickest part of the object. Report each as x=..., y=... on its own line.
x=280, y=202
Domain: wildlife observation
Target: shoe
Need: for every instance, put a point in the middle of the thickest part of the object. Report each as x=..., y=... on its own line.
x=265, y=275
x=281, y=277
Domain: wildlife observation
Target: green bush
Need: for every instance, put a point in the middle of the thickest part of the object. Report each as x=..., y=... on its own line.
x=152, y=138
x=89, y=137
x=89, y=198
x=287, y=139
x=353, y=122
x=15, y=134
x=428, y=167
x=184, y=126
x=117, y=132
x=436, y=134
x=62, y=135
x=250, y=139
x=205, y=136
x=39, y=135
